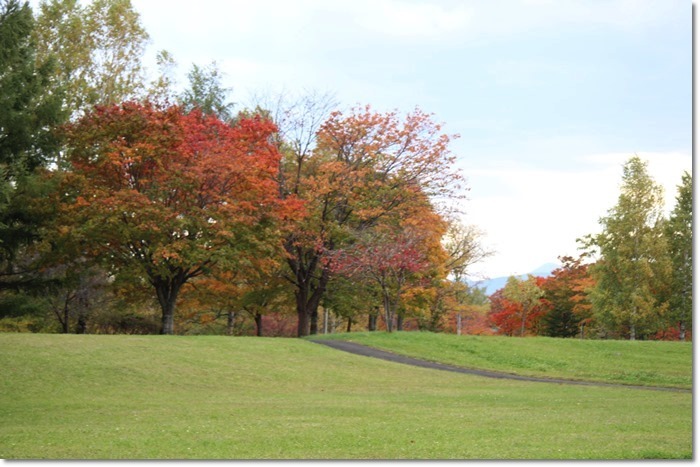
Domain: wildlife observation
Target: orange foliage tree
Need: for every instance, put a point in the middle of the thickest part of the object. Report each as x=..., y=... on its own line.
x=165, y=195
x=365, y=168
x=566, y=292
x=399, y=262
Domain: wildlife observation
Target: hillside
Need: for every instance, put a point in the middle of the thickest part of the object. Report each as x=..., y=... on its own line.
x=166, y=397
x=646, y=363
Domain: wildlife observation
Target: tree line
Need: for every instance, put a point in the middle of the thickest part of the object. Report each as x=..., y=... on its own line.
x=634, y=279
x=130, y=207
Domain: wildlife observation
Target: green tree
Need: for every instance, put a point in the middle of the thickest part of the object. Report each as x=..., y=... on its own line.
x=634, y=266
x=99, y=49
x=679, y=232
x=206, y=93
x=29, y=112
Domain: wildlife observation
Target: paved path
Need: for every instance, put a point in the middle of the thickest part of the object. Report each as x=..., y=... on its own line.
x=366, y=351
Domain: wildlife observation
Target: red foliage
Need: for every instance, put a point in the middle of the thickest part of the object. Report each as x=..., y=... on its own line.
x=167, y=194
x=568, y=287
x=506, y=315
x=672, y=334
x=279, y=325
x=381, y=257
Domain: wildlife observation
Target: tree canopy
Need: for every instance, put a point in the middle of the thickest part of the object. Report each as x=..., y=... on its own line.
x=166, y=195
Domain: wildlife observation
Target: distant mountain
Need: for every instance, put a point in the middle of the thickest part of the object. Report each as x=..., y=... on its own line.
x=545, y=270
x=497, y=283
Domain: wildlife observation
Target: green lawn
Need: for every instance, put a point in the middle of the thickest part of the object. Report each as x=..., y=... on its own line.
x=647, y=363
x=171, y=397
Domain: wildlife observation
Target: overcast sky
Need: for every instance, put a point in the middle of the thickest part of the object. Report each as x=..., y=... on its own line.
x=550, y=97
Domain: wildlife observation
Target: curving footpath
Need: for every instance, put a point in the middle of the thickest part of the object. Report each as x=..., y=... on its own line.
x=366, y=351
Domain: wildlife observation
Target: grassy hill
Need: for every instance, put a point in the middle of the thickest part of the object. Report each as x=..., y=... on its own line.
x=645, y=363
x=171, y=397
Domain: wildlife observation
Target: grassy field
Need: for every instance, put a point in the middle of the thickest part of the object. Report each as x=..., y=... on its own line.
x=166, y=397
x=646, y=363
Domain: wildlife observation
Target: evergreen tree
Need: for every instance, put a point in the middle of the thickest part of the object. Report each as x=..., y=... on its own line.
x=679, y=232
x=29, y=111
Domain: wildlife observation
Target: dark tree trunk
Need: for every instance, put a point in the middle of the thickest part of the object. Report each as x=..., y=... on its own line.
x=167, y=291
x=313, y=325
x=167, y=323
x=258, y=324
x=65, y=323
x=308, y=298
x=349, y=324
x=82, y=324
x=399, y=322
x=310, y=279
x=302, y=315
x=372, y=324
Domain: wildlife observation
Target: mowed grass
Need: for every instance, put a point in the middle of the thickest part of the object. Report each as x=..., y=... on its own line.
x=172, y=397
x=646, y=363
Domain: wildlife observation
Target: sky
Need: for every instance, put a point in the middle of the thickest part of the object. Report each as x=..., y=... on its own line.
x=550, y=98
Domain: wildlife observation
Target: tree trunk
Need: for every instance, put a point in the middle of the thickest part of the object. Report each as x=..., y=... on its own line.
x=167, y=291
x=372, y=324
x=65, y=324
x=633, y=332
x=258, y=324
x=82, y=324
x=313, y=325
x=681, y=328
x=231, y=318
x=308, y=299
x=522, y=324
x=349, y=323
x=167, y=323
x=459, y=324
x=388, y=317
x=399, y=322
x=302, y=315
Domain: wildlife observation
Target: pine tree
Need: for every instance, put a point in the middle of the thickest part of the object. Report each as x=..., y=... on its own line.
x=29, y=112
x=679, y=233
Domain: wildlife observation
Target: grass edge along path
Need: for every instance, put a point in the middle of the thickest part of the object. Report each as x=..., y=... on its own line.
x=629, y=363
x=367, y=351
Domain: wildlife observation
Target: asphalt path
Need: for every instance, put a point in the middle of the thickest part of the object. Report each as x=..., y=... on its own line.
x=366, y=351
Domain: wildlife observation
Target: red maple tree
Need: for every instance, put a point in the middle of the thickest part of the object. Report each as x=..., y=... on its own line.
x=167, y=195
